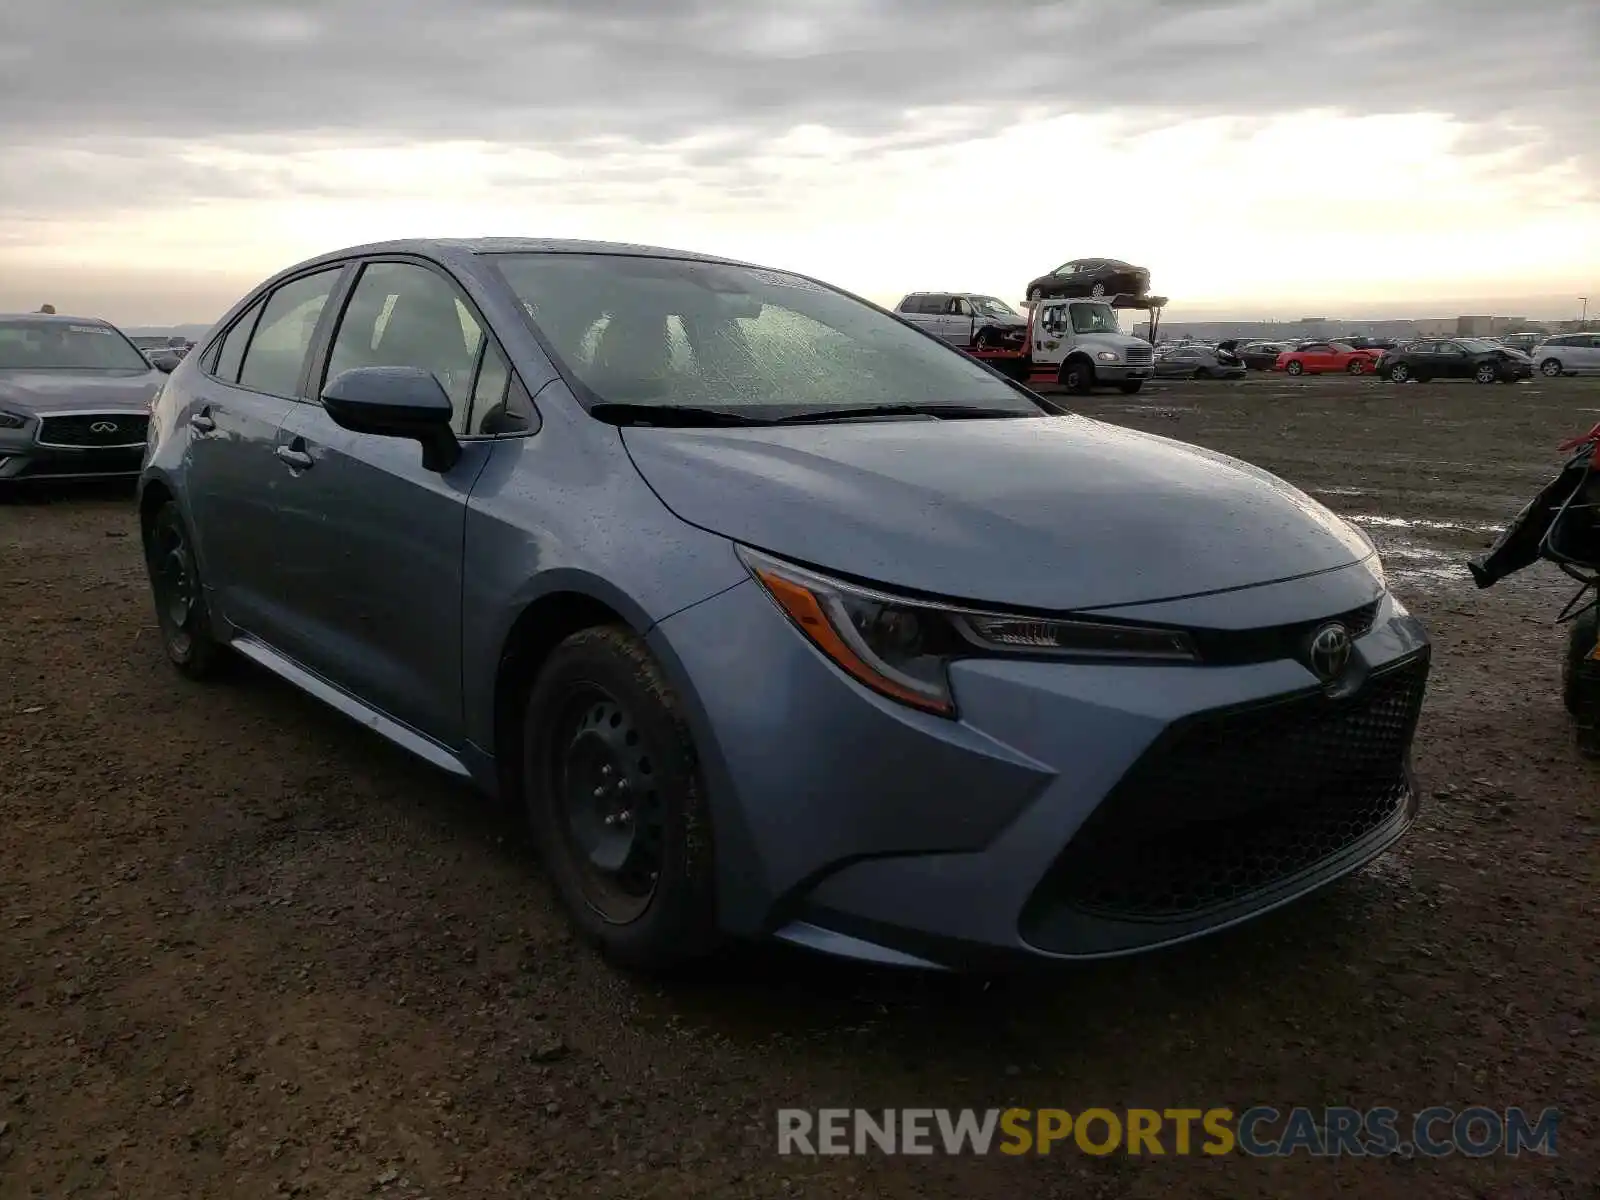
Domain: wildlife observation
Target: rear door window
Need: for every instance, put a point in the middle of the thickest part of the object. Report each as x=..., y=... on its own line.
x=230, y=354
x=277, y=351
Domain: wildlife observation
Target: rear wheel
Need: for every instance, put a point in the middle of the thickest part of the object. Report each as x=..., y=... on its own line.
x=1550, y=368
x=1399, y=373
x=615, y=802
x=1358, y=366
x=180, y=598
x=1035, y=293
x=1485, y=373
x=1296, y=367
x=1076, y=376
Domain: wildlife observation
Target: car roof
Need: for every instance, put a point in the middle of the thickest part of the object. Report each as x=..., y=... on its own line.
x=55, y=319
x=470, y=247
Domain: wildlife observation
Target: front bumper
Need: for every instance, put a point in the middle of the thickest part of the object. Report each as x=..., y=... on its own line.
x=1073, y=811
x=1122, y=372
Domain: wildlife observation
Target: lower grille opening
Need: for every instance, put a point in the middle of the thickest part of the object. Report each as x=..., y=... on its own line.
x=1234, y=805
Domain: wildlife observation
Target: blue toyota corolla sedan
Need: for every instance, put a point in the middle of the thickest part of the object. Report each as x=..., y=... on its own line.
x=779, y=616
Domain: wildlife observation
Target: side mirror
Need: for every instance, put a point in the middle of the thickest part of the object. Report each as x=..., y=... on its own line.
x=165, y=363
x=402, y=402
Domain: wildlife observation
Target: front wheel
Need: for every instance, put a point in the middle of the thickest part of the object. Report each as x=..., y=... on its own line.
x=1399, y=373
x=180, y=598
x=1357, y=366
x=1076, y=376
x=1550, y=368
x=616, y=804
x=1296, y=367
x=1485, y=373
x=1098, y=291
x=1035, y=293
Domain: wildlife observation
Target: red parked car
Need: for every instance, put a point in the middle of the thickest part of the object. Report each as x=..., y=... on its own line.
x=1314, y=358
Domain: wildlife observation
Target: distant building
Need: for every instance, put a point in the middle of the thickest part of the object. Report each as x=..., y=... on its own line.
x=1475, y=326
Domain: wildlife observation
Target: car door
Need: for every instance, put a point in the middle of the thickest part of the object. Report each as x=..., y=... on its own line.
x=1451, y=361
x=1317, y=356
x=373, y=540
x=957, y=328
x=245, y=389
x=1585, y=353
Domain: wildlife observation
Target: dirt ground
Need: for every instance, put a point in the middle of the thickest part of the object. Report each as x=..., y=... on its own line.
x=246, y=949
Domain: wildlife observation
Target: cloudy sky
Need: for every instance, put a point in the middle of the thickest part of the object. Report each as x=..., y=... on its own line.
x=1263, y=157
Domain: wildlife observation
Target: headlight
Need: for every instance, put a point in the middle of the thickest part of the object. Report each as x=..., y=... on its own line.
x=1374, y=564
x=10, y=420
x=1108, y=356
x=902, y=648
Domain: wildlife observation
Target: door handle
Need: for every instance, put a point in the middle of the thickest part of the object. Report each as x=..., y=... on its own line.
x=298, y=459
x=201, y=422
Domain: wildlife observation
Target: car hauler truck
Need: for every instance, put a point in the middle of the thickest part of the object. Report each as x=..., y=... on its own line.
x=1078, y=345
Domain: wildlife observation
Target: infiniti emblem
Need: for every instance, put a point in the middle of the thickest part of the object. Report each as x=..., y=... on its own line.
x=1330, y=650
x=104, y=427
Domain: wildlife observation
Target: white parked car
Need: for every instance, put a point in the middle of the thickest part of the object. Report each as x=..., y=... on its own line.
x=1568, y=354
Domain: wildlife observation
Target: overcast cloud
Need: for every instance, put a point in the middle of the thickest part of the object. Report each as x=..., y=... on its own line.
x=733, y=72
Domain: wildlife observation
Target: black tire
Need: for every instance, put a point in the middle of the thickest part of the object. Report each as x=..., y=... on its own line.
x=1076, y=376
x=1097, y=292
x=179, y=595
x=1295, y=367
x=1486, y=373
x=1550, y=368
x=1201, y=373
x=639, y=885
x=1581, y=640
x=1399, y=373
x=1357, y=366
x=1128, y=387
x=1035, y=293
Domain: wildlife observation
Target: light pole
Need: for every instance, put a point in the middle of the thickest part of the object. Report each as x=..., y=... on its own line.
x=1583, y=319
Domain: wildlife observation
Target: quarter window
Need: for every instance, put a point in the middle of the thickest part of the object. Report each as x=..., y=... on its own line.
x=405, y=315
x=230, y=354
x=277, y=351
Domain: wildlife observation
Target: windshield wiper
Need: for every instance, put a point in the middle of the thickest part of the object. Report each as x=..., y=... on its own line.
x=946, y=411
x=681, y=416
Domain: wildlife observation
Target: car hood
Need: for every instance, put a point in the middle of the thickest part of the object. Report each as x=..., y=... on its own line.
x=66, y=391
x=1054, y=513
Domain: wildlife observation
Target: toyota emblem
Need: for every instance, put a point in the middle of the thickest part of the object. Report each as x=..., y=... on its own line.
x=1330, y=650
x=104, y=427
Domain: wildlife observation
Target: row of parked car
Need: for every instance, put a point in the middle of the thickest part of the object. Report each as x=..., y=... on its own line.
x=1487, y=360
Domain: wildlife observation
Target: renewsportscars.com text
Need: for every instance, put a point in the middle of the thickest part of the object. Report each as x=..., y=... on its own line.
x=1260, y=1131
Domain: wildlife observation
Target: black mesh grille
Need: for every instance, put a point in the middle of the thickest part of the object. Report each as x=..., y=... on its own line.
x=94, y=429
x=1233, y=804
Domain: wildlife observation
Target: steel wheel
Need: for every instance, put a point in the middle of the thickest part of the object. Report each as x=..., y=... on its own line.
x=611, y=814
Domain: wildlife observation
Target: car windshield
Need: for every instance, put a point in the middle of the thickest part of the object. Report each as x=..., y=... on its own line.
x=676, y=333
x=1094, y=318
x=63, y=346
x=995, y=308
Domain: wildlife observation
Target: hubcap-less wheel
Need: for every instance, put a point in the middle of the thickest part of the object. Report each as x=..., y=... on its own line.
x=1550, y=368
x=1398, y=373
x=1295, y=368
x=1036, y=294
x=611, y=812
x=173, y=579
x=1356, y=367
